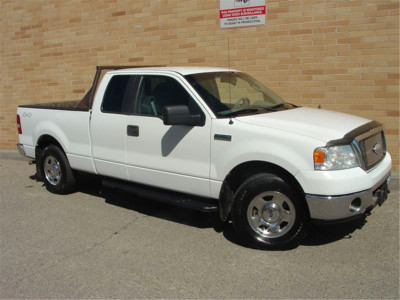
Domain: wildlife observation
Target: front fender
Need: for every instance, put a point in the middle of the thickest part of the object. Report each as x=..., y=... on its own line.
x=289, y=151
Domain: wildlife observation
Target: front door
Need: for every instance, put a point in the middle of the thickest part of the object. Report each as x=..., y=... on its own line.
x=172, y=157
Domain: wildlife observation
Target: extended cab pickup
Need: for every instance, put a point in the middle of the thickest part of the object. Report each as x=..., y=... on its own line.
x=212, y=139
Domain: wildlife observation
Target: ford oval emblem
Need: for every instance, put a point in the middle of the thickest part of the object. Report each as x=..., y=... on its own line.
x=376, y=148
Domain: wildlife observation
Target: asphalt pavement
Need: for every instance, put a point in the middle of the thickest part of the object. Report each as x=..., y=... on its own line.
x=98, y=243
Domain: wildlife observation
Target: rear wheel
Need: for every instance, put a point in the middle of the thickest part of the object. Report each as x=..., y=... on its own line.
x=56, y=171
x=269, y=214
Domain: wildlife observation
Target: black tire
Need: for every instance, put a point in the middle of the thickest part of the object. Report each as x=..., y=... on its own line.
x=56, y=171
x=268, y=213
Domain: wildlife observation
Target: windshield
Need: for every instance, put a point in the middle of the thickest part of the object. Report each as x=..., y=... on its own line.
x=232, y=93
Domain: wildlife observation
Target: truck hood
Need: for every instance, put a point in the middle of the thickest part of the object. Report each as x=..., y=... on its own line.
x=323, y=125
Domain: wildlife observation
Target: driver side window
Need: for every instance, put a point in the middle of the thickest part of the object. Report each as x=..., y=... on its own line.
x=155, y=92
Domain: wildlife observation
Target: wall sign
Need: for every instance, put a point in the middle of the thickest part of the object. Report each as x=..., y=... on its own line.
x=241, y=13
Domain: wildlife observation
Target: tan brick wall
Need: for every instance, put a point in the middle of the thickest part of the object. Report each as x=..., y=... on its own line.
x=340, y=54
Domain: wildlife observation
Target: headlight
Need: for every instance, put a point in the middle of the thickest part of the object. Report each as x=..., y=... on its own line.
x=335, y=158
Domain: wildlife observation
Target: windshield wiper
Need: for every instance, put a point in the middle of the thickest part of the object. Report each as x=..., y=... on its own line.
x=281, y=105
x=253, y=110
x=239, y=112
x=277, y=105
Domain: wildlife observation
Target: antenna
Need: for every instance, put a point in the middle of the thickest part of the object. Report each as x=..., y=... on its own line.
x=229, y=61
x=229, y=78
x=229, y=72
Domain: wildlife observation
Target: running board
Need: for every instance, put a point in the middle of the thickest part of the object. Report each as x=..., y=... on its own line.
x=187, y=201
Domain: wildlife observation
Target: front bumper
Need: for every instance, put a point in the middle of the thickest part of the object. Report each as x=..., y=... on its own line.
x=349, y=206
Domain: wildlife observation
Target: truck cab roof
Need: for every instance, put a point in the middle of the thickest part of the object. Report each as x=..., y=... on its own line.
x=181, y=70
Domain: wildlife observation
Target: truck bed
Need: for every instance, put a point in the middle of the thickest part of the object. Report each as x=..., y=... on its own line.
x=66, y=105
x=65, y=123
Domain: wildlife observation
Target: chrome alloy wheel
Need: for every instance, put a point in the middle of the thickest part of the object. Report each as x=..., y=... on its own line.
x=52, y=170
x=271, y=214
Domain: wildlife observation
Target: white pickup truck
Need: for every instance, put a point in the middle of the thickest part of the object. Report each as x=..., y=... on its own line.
x=212, y=139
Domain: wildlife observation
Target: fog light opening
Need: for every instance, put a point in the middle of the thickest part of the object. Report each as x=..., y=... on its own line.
x=355, y=205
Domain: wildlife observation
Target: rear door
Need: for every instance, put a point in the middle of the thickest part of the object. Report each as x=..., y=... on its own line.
x=172, y=157
x=108, y=127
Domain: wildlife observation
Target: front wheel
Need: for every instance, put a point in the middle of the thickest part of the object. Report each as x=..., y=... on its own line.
x=56, y=171
x=269, y=214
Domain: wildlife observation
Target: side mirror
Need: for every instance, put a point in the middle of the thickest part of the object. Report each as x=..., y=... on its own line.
x=180, y=115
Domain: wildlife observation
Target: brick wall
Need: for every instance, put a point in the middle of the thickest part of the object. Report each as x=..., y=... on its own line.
x=340, y=54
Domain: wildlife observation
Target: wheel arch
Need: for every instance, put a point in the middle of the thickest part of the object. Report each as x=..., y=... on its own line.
x=43, y=141
x=46, y=139
x=242, y=172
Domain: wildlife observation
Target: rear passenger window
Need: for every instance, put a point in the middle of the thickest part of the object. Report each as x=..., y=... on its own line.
x=117, y=92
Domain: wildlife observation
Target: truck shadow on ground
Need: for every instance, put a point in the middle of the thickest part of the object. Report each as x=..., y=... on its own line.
x=89, y=184
x=318, y=235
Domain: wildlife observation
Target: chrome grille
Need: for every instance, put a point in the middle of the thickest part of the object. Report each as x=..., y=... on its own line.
x=372, y=148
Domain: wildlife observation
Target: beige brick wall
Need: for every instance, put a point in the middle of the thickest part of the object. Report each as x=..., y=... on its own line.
x=341, y=54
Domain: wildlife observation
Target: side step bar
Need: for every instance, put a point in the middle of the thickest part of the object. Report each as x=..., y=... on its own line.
x=187, y=201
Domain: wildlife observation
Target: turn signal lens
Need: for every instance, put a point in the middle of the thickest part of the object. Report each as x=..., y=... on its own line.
x=319, y=156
